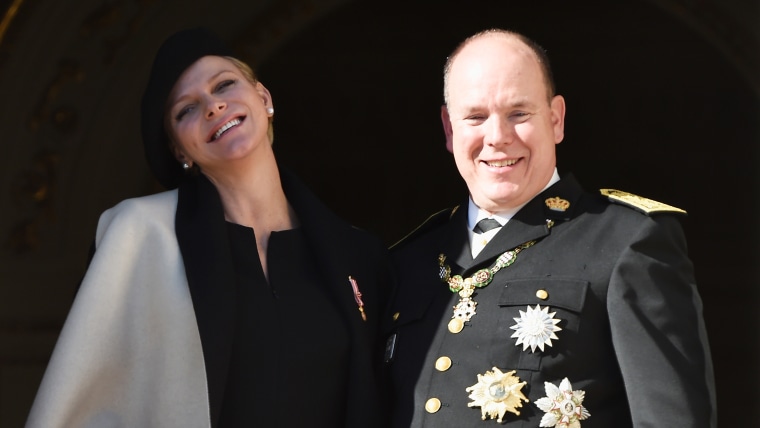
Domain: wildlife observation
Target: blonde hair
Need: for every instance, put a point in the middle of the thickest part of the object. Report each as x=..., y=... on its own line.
x=251, y=77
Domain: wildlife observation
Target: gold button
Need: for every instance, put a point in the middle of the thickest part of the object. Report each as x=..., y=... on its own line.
x=395, y=316
x=432, y=405
x=442, y=364
x=456, y=325
x=542, y=294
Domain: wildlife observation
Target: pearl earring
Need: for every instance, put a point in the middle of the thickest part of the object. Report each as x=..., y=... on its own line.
x=270, y=110
x=185, y=166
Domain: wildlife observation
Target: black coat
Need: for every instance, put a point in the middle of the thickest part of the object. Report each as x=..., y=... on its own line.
x=340, y=250
x=620, y=282
x=148, y=340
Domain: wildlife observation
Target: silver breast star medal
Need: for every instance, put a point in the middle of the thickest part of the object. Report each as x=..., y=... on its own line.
x=497, y=393
x=536, y=327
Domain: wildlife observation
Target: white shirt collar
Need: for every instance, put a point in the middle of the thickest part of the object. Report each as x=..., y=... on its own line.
x=475, y=214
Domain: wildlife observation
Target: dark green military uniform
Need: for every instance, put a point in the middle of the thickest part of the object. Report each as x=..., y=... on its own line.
x=605, y=297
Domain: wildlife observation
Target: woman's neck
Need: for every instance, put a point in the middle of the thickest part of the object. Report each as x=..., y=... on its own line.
x=256, y=199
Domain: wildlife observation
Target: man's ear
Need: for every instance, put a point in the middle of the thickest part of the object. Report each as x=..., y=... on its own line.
x=446, y=120
x=558, y=118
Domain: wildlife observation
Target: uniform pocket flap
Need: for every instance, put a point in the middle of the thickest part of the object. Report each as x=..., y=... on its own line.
x=565, y=293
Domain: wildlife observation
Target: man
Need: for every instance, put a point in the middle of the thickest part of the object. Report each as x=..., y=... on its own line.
x=578, y=309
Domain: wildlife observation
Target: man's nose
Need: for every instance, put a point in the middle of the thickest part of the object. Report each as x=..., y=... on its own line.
x=498, y=131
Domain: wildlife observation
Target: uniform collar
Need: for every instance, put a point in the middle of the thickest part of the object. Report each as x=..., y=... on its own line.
x=475, y=214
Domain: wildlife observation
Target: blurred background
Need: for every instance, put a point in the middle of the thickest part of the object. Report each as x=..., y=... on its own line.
x=663, y=100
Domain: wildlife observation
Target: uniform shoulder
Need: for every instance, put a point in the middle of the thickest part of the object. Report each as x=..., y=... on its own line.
x=639, y=203
x=433, y=222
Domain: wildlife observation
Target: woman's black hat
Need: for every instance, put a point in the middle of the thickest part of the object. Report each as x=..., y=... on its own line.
x=176, y=54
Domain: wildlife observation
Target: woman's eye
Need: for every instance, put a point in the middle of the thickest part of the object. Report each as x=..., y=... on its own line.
x=224, y=84
x=183, y=112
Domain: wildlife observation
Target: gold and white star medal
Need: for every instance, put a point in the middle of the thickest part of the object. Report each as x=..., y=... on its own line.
x=563, y=406
x=497, y=393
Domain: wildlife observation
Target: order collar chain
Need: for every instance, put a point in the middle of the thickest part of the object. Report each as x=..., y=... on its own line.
x=465, y=308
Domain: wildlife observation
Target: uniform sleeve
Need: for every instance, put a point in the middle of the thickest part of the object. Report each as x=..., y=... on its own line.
x=658, y=330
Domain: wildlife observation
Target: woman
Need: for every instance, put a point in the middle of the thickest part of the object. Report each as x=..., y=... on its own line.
x=234, y=299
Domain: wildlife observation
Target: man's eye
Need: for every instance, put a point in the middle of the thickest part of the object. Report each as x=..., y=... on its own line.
x=520, y=116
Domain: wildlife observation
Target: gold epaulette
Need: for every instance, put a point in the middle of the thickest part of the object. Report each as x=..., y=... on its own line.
x=647, y=206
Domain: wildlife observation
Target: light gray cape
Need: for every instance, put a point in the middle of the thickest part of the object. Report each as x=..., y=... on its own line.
x=150, y=374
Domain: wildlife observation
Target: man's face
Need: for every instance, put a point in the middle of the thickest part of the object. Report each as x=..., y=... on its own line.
x=499, y=123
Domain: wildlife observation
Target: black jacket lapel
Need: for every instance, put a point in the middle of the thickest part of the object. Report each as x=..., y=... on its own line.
x=455, y=241
x=203, y=242
x=333, y=245
x=324, y=232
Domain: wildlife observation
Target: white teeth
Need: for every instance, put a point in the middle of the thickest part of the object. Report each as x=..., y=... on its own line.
x=503, y=163
x=228, y=125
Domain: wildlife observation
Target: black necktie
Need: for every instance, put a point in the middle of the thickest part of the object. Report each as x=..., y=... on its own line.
x=485, y=225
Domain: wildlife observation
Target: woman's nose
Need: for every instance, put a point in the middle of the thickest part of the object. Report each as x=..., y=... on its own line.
x=214, y=106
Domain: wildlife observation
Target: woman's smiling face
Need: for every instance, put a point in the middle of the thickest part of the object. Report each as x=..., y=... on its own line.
x=216, y=114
